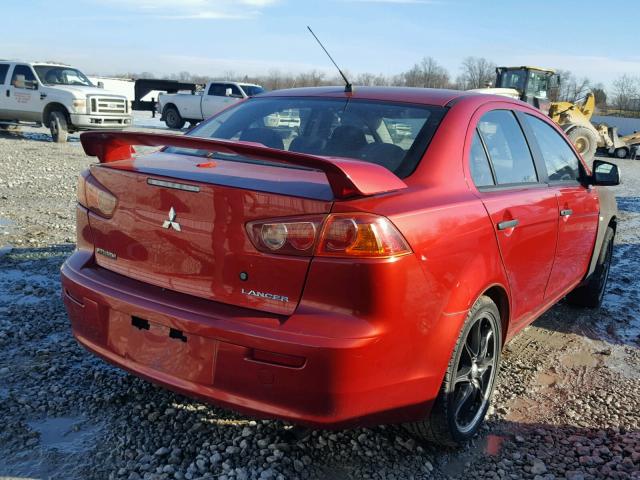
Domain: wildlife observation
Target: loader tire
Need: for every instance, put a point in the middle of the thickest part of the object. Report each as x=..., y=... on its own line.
x=622, y=152
x=585, y=141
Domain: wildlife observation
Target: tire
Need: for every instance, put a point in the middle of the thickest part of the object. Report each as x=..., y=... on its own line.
x=58, y=126
x=591, y=294
x=585, y=141
x=172, y=118
x=459, y=410
x=621, y=153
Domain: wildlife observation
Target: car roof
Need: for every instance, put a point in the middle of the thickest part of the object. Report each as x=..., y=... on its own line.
x=426, y=96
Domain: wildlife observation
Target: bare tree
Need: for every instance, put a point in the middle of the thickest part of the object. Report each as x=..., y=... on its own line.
x=427, y=74
x=476, y=73
x=625, y=92
x=572, y=89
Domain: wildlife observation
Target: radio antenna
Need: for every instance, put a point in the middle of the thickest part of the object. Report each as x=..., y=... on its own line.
x=348, y=88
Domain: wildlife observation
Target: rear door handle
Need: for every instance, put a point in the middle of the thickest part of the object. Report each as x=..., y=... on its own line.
x=508, y=224
x=566, y=212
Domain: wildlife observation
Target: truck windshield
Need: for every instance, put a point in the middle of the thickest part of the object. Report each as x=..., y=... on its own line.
x=252, y=90
x=54, y=75
x=393, y=135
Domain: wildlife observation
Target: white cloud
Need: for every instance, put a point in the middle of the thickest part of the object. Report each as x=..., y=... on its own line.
x=194, y=9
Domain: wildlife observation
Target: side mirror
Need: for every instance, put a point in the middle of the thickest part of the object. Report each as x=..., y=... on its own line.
x=227, y=92
x=605, y=173
x=100, y=84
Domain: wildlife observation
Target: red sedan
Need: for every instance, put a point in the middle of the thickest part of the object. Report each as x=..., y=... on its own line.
x=362, y=261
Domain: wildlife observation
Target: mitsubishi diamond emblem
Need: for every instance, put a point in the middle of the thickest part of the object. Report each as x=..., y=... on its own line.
x=171, y=223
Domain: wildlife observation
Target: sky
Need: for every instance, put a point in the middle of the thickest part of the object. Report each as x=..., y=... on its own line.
x=211, y=37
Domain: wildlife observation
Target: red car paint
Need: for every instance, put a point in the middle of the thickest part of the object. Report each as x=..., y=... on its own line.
x=360, y=340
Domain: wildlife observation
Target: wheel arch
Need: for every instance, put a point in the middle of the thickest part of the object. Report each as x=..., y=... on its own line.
x=498, y=294
x=169, y=105
x=55, y=107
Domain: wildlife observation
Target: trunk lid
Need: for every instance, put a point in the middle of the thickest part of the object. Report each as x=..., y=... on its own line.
x=180, y=226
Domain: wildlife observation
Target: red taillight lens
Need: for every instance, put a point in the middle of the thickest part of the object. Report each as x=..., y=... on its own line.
x=292, y=236
x=94, y=196
x=360, y=235
x=336, y=235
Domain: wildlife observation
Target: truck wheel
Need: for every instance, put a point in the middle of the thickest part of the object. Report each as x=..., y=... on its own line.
x=585, y=142
x=172, y=118
x=58, y=127
x=621, y=152
x=466, y=390
x=591, y=294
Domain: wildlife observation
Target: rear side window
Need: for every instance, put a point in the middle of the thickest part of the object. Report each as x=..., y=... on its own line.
x=217, y=89
x=562, y=164
x=507, y=147
x=4, y=68
x=479, y=164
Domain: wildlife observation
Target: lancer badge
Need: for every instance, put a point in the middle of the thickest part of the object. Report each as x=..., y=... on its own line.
x=171, y=222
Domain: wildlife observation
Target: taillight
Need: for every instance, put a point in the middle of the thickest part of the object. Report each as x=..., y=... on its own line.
x=361, y=235
x=291, y=236
x=94, y=196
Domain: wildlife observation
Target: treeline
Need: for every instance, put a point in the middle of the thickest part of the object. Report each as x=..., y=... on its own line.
x=474, y=72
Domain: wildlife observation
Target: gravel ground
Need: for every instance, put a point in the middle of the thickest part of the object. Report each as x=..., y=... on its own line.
x=566, y=405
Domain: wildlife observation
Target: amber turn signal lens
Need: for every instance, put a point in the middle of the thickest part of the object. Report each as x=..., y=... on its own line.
x=361, y=235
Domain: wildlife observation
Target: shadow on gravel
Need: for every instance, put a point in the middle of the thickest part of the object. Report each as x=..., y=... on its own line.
x=35, y=136
x=618, y=320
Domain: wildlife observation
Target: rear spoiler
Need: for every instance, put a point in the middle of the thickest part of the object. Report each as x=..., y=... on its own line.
x=347, y=178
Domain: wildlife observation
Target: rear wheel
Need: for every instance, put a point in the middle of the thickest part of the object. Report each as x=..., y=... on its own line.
x=58, y=127
x=466, y=390
x=585, y=141
x=621, y=152
x=172, y=118
x=592, y=293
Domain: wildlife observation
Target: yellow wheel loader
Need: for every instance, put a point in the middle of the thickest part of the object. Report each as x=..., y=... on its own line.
x=536, y=85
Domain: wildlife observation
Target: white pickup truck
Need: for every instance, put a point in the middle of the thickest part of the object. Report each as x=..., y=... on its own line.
x=179, y=108
x=58, y=96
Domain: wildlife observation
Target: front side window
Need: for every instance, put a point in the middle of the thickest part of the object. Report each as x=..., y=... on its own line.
x=507, y=147
x=235, y=91
x=394, y=135
x=54, y=75
x=4, y=68
x=562, y=164
x=23, y=77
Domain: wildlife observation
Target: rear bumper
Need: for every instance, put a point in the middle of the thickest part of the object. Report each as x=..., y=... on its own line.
x=246, y=360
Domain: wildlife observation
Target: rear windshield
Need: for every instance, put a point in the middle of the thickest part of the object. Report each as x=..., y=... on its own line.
x=252, y=90
x=394, y=135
